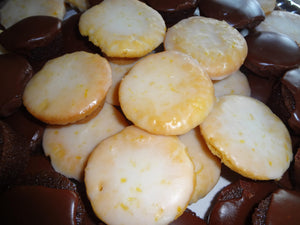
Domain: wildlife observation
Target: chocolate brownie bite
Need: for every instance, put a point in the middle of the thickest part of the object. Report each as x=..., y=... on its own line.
x=281, y=207
x=15, y=74
x=296, y=170
x=285, y=101
x=235, y=203
x=35, y=37
x=28, y=127
x=188, y=218
x=174, y=11
x=239, y=13
x=13, y=155
x=271, y=54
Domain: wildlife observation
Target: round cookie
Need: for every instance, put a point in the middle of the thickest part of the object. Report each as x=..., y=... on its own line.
x=282, y=22
x=219, y=48
x=248, y=137
x=235, y=84
x=68, y=88
x=166, y=93
x=207, y=167
x=267, y=5
x=123, y=28
x=118, y=72
x=16, y=10
x=69, y=146
x=140, y=177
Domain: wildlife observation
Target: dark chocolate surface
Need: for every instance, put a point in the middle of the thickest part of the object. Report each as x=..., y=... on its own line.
x=30, y=33
x=291, y=95
x=235, y=202
x=15, y=73
x=36, y=205
x=284, y=208
x=188, y=218
x=271, y=54
x=238, y=13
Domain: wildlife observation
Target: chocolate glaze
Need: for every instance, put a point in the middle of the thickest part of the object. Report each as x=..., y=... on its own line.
x=284, y=208
x=94, y=2
x=235, y=202
x=238, y=13
x=15, y=73
x=173, y=10
x=296, y=170
x=30, y=33
x=261, y=87
x=188, y=218
x=271, y=54
x=38, y=205
x=291, y=87
x=28, y=127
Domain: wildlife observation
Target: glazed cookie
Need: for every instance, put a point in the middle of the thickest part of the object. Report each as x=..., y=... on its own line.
x=219, y=48
x=16, y=10
x=68, y=88
x=70, y=146
x=166, y=93
x=248, y=137
x=283, y=22
x=140, y=177
x=123, y=28
x=118, y=72
x=207, y=167
x=235, y=84
x=267, y=5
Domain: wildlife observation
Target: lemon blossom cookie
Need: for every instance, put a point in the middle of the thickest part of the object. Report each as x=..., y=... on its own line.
x=16, y=10
x=207, y=166
x=166, y=93
x=68, y=88
x=69, y=146
x=219, y=48
x=135, y=177
x=123, y=28
x=248, y=137
x=267, y=5
x=235, y=84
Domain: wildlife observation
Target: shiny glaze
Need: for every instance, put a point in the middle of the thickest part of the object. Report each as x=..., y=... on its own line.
x=36, y=205
x=30, y=33
x=271, y=54
x=173, y=10
x=27, y=126
x=188, y=218
x=15, y=73
x=284, y=208
x=291, y=81
x=235, y=202
x=238, y=13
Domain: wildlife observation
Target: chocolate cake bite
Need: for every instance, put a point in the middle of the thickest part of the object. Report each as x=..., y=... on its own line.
x=281, y=207
x=173, y=11
x=239, y=13
x=15, y=73
x=271, y=54
x=285, y=100
x=36, y=37
x=234, y=204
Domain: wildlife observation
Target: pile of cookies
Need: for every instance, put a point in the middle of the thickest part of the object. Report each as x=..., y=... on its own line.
x=128, y=112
